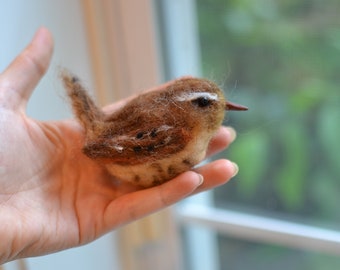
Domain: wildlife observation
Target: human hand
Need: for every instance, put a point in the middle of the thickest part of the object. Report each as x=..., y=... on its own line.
x=53, y=197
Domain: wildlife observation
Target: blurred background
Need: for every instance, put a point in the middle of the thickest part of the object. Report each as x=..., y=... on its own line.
x=280, y=58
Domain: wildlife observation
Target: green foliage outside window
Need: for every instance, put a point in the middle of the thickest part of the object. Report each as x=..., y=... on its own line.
x=282, y=60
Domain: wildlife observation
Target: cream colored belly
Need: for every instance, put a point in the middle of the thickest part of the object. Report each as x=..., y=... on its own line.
x=157, y=172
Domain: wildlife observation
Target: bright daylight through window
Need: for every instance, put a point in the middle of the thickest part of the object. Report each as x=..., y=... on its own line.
x=282, y=60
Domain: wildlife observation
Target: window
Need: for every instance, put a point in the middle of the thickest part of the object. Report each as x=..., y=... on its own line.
x=280, y=58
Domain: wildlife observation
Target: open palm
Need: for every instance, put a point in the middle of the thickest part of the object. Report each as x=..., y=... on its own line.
x=52, y=197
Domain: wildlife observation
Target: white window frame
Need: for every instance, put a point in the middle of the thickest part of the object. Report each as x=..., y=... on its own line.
x=183, y=52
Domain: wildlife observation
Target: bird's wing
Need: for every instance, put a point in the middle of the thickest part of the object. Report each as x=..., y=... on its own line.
x=139, y=146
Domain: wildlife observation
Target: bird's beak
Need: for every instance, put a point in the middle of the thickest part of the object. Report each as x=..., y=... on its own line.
x=230, y=106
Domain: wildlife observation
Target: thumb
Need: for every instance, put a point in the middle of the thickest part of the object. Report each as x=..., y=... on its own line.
x=20, y=78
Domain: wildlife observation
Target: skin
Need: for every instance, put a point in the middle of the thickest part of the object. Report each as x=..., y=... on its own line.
x=52, y=197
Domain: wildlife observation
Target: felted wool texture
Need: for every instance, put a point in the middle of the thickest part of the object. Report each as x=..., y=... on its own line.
x=155, y=136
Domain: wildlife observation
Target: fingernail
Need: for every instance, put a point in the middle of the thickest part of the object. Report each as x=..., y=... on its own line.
x=236, y=169
x=201, y=179
x=232, y=133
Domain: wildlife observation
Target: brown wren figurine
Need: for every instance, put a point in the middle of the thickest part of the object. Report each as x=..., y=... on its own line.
x=157, y=135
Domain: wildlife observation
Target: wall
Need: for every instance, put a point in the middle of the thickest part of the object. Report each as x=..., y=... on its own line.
x=19, y=19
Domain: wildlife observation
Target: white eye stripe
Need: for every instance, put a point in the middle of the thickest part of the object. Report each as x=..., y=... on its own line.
x=196, y=95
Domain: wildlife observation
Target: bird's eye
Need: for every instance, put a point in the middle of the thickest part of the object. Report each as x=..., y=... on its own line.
x=202, y=102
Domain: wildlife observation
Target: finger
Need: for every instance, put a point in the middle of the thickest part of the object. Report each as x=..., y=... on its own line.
x=216, y=173
x=18, y=81
x=221, y=140
x=136, y=205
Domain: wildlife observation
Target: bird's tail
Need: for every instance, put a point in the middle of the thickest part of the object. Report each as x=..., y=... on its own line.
x=87, y=112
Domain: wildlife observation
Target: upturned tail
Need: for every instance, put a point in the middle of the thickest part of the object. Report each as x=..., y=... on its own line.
x=87, y=112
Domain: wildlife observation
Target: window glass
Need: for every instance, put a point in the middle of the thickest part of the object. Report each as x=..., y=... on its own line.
x=239, y=255
x=282, y=60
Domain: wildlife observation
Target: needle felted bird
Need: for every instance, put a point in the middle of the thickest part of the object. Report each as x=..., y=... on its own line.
x=157, y=135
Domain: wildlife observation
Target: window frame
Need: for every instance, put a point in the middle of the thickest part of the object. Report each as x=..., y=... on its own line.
x=125, y=59
x=200, y=212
